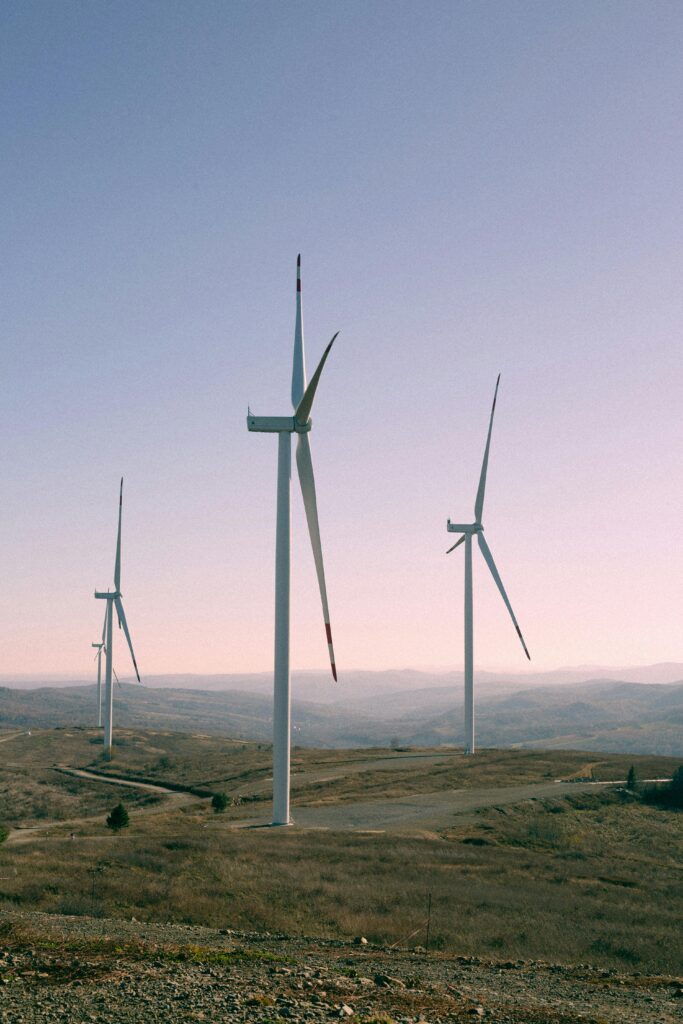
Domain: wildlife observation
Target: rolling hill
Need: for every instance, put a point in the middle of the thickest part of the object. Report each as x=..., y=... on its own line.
x=597, y=714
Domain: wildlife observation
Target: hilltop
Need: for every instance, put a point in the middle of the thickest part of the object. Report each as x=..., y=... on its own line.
x=509, y=851
x=544, y=890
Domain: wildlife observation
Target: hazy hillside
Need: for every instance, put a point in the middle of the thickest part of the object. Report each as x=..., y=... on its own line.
x=596, y=715
x=359, y=685
x=230, y=713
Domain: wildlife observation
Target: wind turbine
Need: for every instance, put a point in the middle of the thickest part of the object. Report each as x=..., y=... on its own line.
x=284, y=427
x=468, y=530
x=102, y=649
x=113, y=598
x=98, y=657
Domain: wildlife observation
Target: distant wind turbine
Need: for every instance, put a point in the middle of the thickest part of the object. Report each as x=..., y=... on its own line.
x=98, y=657
x=284, y=426
x=468, y=530
x=113, y=598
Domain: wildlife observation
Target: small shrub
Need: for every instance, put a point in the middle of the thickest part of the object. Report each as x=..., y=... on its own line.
x=4, y=832
x=76, y=906
x=118, y=818
x=631, y=778
x=606, y=946
x=219, y=801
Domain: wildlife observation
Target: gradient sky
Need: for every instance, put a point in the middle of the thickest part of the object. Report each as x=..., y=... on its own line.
x=474, y=188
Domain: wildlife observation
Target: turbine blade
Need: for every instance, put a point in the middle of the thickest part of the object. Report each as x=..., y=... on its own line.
x=122, y=619
x=479, y=502
x=104, y=625
x=457, y=543
x=117, y=564
x=299, y=363
x=304, y=465
x=488, y=558
x=303, y=410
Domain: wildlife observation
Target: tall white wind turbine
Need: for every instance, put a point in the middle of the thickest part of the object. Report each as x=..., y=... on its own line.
x=468, y=530
x=284, y=427
x=113, y=599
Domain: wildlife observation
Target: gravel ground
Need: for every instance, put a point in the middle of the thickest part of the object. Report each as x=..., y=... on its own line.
x=75, y=969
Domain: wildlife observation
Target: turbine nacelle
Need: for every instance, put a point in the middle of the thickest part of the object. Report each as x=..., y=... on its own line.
x=109, y=595
x=278, y=424
x=470, y=528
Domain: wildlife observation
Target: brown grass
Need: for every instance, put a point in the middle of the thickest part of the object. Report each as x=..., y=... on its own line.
x=235, y=766
x=591, y=878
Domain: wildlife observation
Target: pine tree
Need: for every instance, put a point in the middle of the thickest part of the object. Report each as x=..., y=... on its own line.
x=118, y=818
x=219, y=801
x=631, y=778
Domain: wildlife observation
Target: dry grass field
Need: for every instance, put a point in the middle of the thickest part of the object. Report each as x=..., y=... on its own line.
x=589, y=878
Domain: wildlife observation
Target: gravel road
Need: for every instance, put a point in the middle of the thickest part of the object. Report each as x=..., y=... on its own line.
x=419, y=811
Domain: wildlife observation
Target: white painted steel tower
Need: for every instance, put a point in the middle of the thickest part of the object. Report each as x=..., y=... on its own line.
x=468, y=530
x=113, y=599
x=98, y=657
x=284, y=427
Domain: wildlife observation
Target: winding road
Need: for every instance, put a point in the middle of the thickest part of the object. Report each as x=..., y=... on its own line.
x=21, y=835
x=417, y=812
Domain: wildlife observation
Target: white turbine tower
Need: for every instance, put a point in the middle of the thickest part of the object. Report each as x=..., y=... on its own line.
x=98, y=657
x=113, y=598
x=284, y=426
x=468, y=530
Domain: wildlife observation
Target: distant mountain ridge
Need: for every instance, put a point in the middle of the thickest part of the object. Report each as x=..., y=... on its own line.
x=608, y=715
x=319, y=686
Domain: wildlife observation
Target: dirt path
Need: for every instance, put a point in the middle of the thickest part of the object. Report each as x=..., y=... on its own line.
x=406, y=761
x=342, y=769
x=44, y=831
x=418, y=811
x=12, y=736
x=113, y=780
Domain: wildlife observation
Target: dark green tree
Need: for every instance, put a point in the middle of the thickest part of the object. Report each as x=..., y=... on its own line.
x=118, y=818
x=631, y=778
x=219, y=801
x=670, y=794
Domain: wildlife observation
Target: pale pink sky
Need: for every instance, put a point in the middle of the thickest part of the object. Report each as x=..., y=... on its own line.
x=488, y=188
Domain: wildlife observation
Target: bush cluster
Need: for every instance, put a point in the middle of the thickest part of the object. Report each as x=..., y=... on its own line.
x=668, y=795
